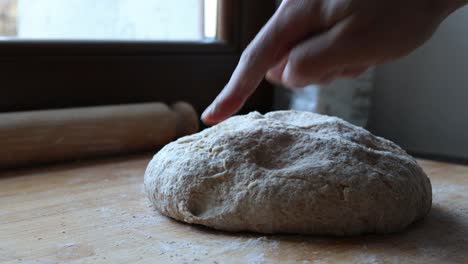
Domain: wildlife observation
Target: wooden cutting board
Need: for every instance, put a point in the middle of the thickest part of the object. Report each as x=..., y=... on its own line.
x=97, y=212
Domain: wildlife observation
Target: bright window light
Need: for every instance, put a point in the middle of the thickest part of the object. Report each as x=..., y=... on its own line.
x=211, y=17
x=160, y=20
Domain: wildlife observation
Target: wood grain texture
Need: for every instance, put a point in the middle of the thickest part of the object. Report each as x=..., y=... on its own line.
x=97, y=212
x=55, y=135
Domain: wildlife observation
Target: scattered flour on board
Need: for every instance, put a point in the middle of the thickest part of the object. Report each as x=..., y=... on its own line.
x=66, y=245
x=255, y=258
x=443, y=191
x=251, y=250
x=237, y=244
x=452, y=194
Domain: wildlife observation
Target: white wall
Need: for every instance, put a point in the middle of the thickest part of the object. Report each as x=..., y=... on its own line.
x=347, y=99
x=421, y=101
x=110, y=19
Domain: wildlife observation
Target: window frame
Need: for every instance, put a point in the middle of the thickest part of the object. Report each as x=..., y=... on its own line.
x=58, y=74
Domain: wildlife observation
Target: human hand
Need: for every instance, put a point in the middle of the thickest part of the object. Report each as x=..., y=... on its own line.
x=316, y=41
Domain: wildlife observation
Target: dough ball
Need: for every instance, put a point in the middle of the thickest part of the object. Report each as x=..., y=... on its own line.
x=289, y=172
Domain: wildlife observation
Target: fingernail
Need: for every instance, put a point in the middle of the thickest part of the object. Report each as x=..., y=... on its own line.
x=287, y=79
x=208, y=111
x=286, y=73
x=272, y=78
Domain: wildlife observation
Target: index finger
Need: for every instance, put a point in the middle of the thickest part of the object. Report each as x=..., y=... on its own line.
x=289, y=25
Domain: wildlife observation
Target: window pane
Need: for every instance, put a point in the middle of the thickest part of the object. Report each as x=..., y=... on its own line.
x=162, y=20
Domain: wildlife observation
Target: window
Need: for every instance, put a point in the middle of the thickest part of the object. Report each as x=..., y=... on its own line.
x=56, y=53
x=177, y=20
x=7, y=18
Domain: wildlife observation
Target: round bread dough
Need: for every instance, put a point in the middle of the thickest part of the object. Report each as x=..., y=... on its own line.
x=289, y=172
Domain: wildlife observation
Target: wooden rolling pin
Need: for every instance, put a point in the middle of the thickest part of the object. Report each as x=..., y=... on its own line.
x=28, y=138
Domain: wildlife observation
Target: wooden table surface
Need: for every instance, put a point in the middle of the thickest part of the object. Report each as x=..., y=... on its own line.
x=97, y=212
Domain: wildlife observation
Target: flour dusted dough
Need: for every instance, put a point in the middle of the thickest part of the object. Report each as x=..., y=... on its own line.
x=289, y=172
